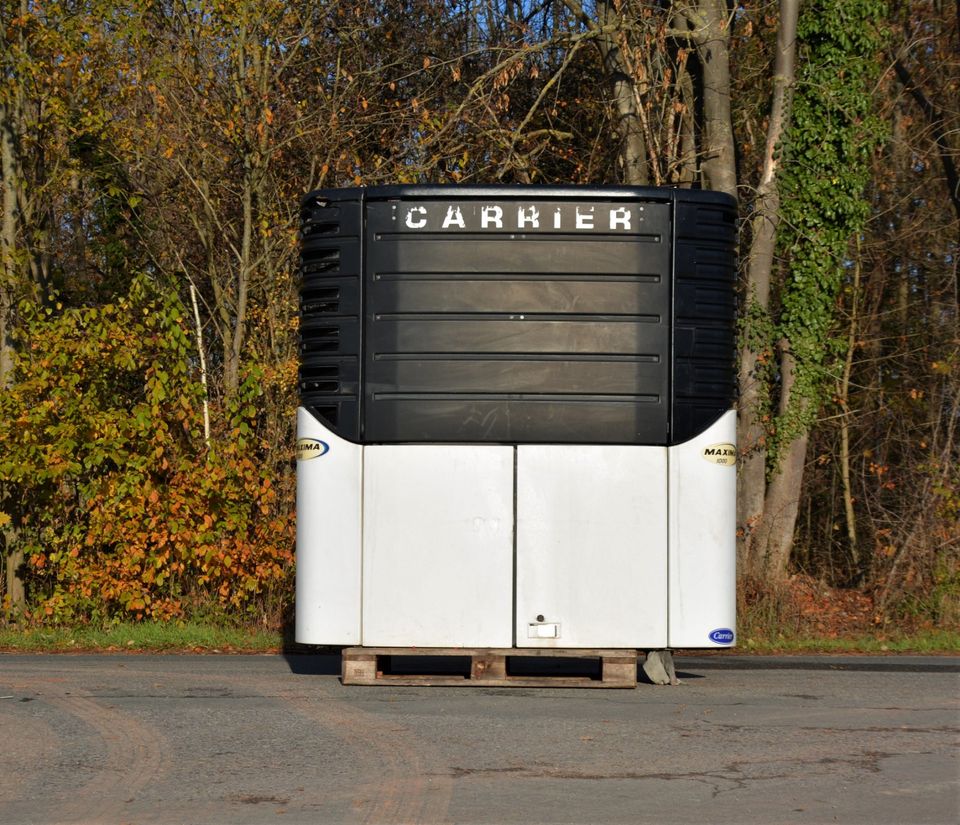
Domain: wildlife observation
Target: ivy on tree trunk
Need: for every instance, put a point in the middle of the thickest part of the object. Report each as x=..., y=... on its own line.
x=825, y=167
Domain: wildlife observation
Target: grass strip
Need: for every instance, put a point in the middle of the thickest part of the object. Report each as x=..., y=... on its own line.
x=928, y=641
x=143, y=637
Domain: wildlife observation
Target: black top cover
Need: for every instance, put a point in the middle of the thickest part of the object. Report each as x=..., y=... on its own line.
x=516, y=314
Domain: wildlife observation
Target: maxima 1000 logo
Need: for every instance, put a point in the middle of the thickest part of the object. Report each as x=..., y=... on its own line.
x=722, y=454
x=308, y=448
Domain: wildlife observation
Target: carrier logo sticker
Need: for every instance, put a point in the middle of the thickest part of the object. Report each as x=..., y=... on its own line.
x=523, y=217
x=724, y=454
x=722, y=636
x=308, y=448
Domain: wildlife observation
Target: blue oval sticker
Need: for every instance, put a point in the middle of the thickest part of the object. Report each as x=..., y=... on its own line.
x=722, y=636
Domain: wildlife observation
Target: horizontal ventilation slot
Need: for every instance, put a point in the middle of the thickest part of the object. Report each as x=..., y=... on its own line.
x=707, y=216
x=547, y=398
x=515, y=235
x=318, y=371
x=638, y=358
x=321, y=260
x=711, y=272
x=321, y=299
x=320, y=339
x=319, y=230
x=321, y=293
x=321, y=333
x=330, y=414
x=586, y=277
x=325, y=387
x=327, y=307
x=516, y=316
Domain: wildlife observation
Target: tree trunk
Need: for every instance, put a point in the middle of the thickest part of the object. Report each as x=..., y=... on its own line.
x=711, y=21
x=687, y=162
x=10, y=175
x=780, y=512
x=633, y=148
x=843, y=399
x=235, y=343
x=8, y=243
x=752, y=475
x=773, y=540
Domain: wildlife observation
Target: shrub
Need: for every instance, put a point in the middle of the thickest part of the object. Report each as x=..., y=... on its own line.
x=121, y=506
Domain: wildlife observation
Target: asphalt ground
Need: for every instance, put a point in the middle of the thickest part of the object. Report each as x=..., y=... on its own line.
x=263, y=739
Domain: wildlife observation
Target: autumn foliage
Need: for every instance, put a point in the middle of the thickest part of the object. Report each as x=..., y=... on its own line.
x=126, y=510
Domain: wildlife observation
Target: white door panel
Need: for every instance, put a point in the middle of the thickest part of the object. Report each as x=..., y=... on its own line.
x=591, y=546
x=438, y=546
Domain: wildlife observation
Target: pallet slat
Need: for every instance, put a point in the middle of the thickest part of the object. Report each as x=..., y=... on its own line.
x=488, y=667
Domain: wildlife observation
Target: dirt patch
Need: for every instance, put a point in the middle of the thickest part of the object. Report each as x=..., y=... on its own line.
x=805, y=608
x=830, y=612
x=250, y=799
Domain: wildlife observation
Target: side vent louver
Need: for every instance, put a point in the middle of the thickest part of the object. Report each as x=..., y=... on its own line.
x=704, y=309
x=330, y=309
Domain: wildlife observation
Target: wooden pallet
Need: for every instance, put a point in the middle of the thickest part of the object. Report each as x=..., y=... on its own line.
x=489, y=667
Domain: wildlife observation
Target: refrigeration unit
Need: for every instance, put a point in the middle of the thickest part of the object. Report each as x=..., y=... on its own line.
x=515, y=427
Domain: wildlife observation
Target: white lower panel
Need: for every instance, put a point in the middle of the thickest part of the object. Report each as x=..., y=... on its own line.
x=703, y=528
x=438, y=546
x=591, y=546
x=328, y=537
